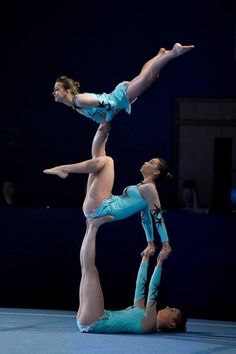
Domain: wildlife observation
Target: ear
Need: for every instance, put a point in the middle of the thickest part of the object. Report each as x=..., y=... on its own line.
x=172, y=324
x=157, y=172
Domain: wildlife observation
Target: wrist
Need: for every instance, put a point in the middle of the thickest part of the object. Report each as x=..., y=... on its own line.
x=145, y=259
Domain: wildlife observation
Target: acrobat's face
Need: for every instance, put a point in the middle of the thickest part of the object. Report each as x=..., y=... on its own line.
x=59, y=92
x=150, y=168
x=168, y=317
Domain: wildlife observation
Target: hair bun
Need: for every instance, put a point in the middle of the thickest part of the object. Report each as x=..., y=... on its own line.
x=169, y=176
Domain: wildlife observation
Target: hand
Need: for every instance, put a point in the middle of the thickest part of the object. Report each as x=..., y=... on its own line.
x=164, y=252
x=105, y=126
x=149, y=250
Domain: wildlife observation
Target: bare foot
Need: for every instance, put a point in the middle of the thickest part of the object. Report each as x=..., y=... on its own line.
x=179, y=49
x=58, y=171
x=100, y=221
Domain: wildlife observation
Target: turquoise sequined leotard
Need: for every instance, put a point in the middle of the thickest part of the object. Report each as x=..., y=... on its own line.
x=121, y=206
x=128, y=204
x=130, y=319
x=109, y=104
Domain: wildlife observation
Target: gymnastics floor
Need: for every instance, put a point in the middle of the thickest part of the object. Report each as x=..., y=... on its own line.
x=27, y=331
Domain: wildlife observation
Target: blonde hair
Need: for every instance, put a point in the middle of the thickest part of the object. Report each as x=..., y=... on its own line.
x=69, y=84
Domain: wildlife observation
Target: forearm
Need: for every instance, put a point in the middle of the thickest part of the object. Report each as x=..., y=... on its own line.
x=141, y=281
x=154, y=284
x=160, y=226
x=99, y=141
x=147, y=225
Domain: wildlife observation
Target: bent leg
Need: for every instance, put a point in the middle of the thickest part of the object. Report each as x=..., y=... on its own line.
x=88, y=166
x=100, y=169
x=100, y=187
x=91, y=296
x=151, y=71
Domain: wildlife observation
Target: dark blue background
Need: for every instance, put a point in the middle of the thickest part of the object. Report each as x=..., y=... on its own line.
x=102, y=44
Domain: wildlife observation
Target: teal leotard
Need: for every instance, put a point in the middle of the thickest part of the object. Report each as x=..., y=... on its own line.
x=128, y=204
x=109, y=104
x=124, y=321
x=121, y=206
x=130, y=319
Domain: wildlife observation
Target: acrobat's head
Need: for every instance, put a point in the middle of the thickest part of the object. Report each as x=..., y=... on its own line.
x=155, y=169
x=171, y=319
x=65, y=88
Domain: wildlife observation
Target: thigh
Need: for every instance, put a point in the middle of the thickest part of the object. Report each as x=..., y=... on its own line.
x=91, y=298
x=99, y=186
x=91, y=178
x=138, y=85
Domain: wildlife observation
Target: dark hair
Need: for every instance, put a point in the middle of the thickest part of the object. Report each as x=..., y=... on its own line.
x=69, y=84
x=180, y=324
x=164, y=170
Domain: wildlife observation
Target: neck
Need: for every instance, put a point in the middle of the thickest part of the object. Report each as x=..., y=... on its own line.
x=148, y=180
x=71, y=102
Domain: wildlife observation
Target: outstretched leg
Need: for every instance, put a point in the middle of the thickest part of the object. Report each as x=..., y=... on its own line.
x=147, y=65
x=91, y=296
x=152, y=68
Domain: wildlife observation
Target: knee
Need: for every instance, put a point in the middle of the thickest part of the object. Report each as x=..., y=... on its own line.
x=88, y=269
x=102, y=161
x=109, y=160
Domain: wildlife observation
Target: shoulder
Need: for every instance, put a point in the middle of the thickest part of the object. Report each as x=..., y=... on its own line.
x=149, y=322
x=148, y=189
x=76, y=100
x=149, y=192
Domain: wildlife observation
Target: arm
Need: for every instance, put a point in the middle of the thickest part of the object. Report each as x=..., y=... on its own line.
x=100, y=139
x=156, y=279
x=149, y=192
x=84, y=100
x=149, y=323
x=139, y=296
x=146, y=220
